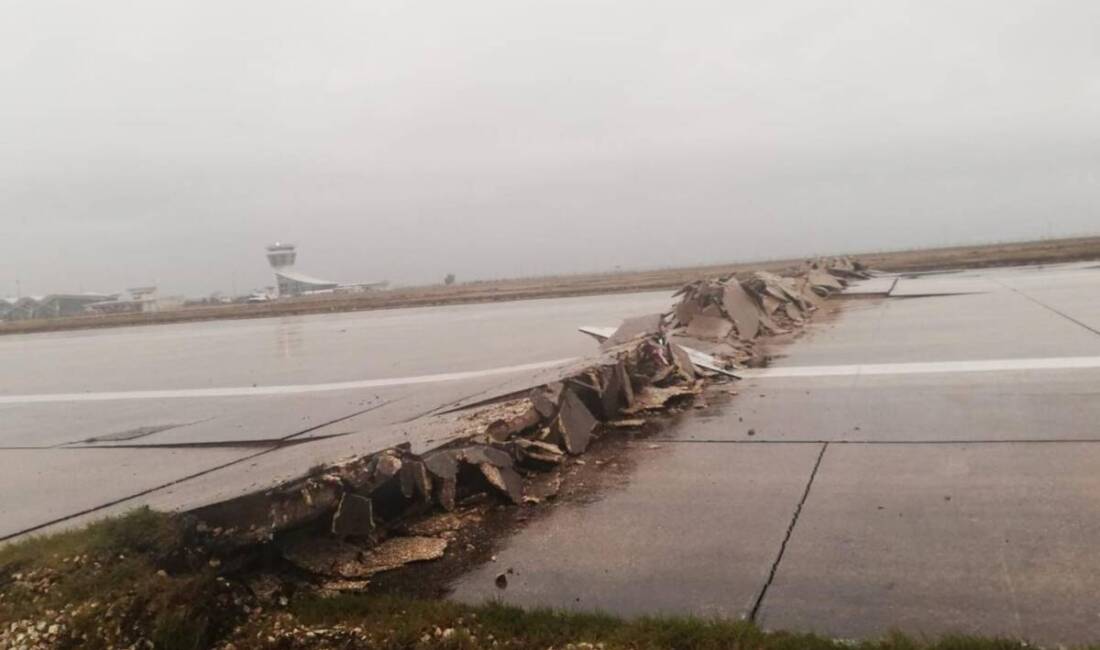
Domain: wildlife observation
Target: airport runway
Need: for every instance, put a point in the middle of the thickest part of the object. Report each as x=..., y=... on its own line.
x=99, y=421
x=928, y=462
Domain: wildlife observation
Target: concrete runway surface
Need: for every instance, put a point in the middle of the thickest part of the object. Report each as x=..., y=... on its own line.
x=928, y=462
x=97, y=422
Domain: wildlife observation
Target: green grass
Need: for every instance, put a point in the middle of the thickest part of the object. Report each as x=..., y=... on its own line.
x=139, y=532
x=401, y=623
x=116, y=564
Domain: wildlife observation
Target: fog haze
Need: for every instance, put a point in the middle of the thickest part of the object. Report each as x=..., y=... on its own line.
x=167, y=142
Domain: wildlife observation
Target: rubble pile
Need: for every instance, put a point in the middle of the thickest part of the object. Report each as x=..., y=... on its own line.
x=372, y=514
x=348, y=522
x=723, y=316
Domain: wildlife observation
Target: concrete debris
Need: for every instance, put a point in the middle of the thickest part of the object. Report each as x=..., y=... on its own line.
x=731, y=312
x=399, y=551
x=325, y=556
x=821, y=282
x=537, y=453
x=446, y=494
x=328, y=557
x=574, y=424
x=546, y=399
x=655, y=398
x=505, y=480
x=543, y=487
x=354, y=517
x=743, y=309
x=485, y=455
x=336, y=587
x=636, y=328
x=415, y=482
x=386, y=467
x=714, y=328
x=682, y=359
x=442, y=464
x=499, y=421
x=439, y=524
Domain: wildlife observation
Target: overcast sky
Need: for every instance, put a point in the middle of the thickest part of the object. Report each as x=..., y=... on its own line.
x=162, y=141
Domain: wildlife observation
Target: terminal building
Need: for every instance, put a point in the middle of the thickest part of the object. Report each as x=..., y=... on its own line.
x=289, y=282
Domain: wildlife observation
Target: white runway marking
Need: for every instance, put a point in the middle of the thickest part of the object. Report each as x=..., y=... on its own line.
x=253, y=391
x=925, y=368
x=863, y=370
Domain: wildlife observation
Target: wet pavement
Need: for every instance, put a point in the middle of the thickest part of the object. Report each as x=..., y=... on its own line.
x=928, y=462
x=95, y=422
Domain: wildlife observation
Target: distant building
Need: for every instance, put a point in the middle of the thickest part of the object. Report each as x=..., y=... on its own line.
x=289, y=282
x=63, y=305
x=142, y=300
x=56, y=305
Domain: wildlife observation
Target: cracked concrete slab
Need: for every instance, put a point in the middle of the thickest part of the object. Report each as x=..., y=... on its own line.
x=952, y=328
x=44, y=485
x=974, y=539
x=639, y=548
x=1016, y=405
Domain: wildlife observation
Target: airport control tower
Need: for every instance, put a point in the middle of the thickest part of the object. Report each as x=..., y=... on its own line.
x=281, y=256
x=290, y=282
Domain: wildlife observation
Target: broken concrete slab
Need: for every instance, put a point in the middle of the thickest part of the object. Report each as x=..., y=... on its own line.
x=682, y=359
x=574, y=424
x=415, y=481
x=329, y=557
x=653, y=398
x=354, y=517
x=501, y=429
x=823, y=279
x=633, y=328
x=546, y=399
x=324, y=556
x=714, y=328
x=742, y=308
x=442, y=464
x=396, y=552
x=505, y=480
x=537, y=453
x=485, y=455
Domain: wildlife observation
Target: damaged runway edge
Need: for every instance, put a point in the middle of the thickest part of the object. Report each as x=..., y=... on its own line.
x=347, y=521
